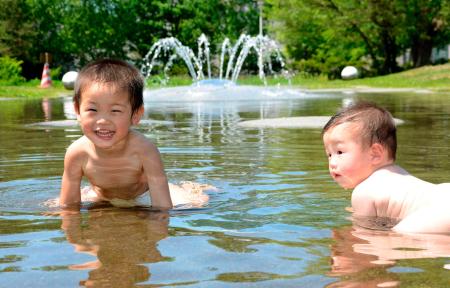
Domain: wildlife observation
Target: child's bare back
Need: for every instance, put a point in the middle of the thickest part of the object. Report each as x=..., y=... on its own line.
x=394, y=193
x=361, y=144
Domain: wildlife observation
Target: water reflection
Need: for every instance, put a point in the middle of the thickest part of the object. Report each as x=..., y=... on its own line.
x=121, y=240
x=271, y=225
x=47, y=108
x=367, y=258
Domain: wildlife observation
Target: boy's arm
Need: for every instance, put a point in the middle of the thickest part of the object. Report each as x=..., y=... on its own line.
x=156, y=177
x=363, y=202
x=71, y=180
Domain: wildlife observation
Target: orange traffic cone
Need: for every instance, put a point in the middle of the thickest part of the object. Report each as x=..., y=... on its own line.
x=46, y=80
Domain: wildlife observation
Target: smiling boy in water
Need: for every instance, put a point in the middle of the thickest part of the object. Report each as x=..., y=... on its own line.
x=121, y=164
x=361, y=144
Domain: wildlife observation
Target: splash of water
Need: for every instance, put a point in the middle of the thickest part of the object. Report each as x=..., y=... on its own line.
x=176, y=49
x=232, y=56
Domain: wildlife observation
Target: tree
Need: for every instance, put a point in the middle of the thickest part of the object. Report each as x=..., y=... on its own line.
x=367, y=32
x=76, y=32
x=17, y=31
x=427, y=24
x=317, y=36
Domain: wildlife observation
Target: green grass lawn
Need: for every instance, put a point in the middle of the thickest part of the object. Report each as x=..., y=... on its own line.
x=31, y=89
x=436, y=78
x=429, y=77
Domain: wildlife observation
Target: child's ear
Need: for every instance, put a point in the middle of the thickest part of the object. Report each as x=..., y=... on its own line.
x=137, y=116
x=377, y=153
x=77, y=111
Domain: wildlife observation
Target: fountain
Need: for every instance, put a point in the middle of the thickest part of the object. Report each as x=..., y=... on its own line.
x=219, y=96
x=234, y=56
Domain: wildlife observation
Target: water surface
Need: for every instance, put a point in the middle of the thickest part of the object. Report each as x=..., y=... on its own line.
x=278, y=220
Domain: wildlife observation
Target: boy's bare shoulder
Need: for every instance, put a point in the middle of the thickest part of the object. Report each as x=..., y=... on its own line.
x=388, y=176
x=367, y=189
x=141, y=143
x=373, y=196
x=79, y=146
x=77, y=152
x=381, y=183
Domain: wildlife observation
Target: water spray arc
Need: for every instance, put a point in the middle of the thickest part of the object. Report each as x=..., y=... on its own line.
x=232, y=56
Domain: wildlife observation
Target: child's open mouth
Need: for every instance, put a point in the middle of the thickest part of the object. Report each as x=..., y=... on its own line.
x=335, y=175
x=105, y=134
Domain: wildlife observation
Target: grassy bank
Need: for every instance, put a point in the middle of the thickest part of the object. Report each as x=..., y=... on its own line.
x=435, y=78
x=430, y=77
x=31, y=89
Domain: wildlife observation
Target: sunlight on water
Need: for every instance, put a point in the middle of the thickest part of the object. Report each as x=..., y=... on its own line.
x=278, y=220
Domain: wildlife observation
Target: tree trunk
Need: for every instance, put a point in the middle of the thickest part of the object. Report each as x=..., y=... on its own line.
x=390, y=52
x=421, y=52
x=428, y=26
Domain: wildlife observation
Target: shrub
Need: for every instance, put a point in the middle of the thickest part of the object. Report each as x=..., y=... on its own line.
x=10, y=71
x=55, y=72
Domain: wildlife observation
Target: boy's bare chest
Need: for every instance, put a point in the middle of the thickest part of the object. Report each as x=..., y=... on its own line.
x=114, y=173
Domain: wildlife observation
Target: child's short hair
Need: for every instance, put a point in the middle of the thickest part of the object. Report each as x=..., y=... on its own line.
x=377, y=124
x=114, y=72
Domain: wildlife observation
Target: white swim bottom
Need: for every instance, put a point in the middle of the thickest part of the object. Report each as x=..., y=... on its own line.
x=186, y=194
x=89, y=195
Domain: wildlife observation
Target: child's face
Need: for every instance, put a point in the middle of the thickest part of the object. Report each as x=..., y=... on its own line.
x=349, y=161
x=105, y=115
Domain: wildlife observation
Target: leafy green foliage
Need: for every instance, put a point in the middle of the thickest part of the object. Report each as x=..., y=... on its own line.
x=17, y=32
x=76, y=32
x=55, y=73
x=318, y=36
x=10, y=71
x=323, y=36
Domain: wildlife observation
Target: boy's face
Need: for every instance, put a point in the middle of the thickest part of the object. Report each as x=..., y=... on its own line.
x=105, y=115
x=349, y=161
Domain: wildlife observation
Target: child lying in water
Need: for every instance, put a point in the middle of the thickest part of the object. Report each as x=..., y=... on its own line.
x=361, y=144
x=120, y=164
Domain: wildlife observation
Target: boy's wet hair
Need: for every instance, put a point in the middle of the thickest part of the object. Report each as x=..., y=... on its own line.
x=377, y=124
x=118, y=73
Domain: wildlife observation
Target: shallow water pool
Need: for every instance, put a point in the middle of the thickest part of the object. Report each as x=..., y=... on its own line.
x=278, y=220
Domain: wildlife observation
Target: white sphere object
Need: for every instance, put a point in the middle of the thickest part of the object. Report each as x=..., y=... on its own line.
x=349, y=72
x=69, y=79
